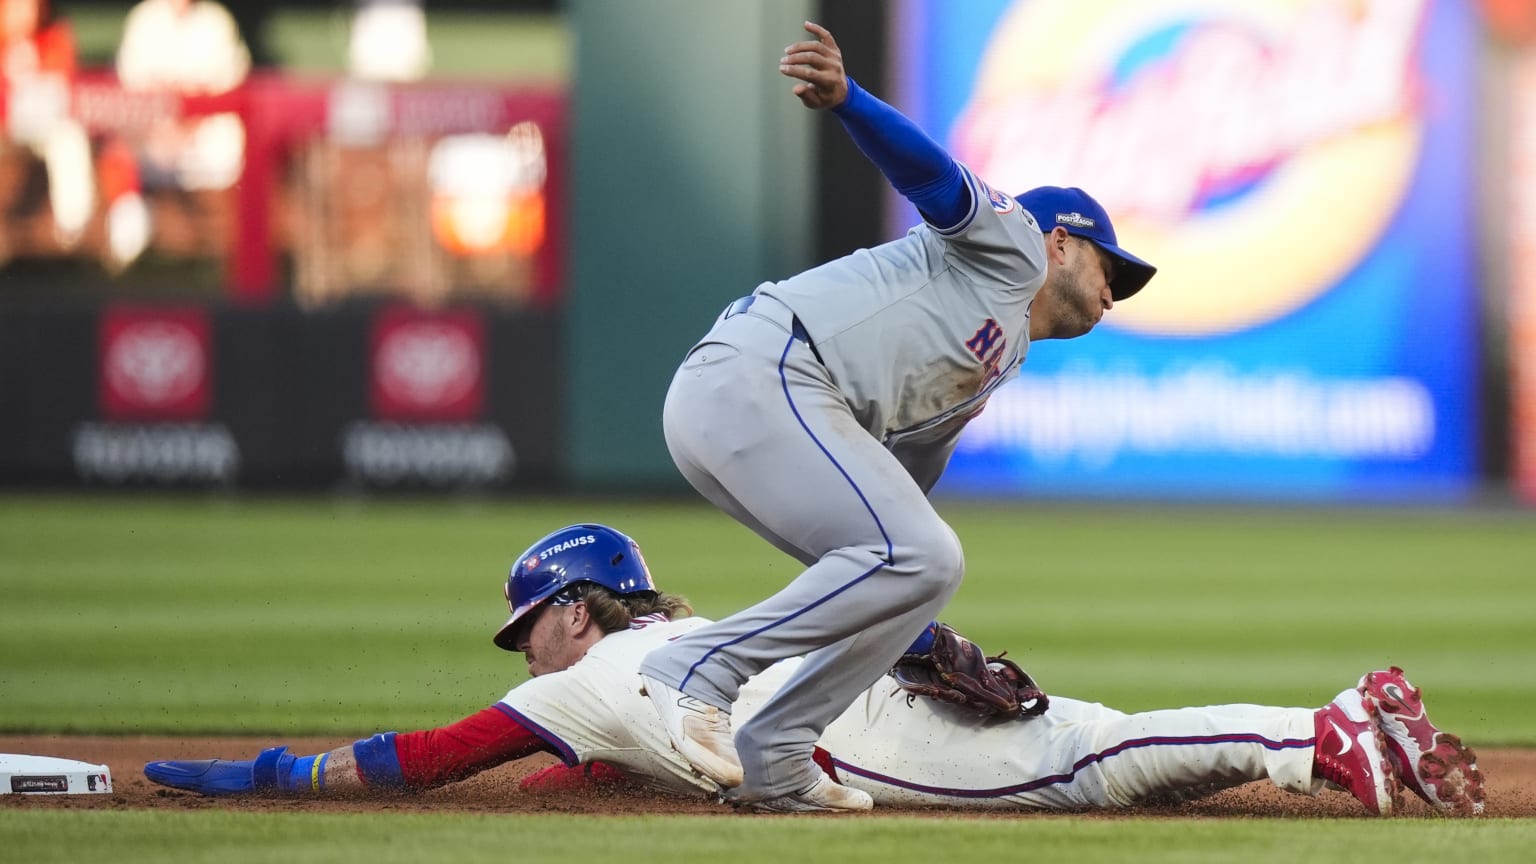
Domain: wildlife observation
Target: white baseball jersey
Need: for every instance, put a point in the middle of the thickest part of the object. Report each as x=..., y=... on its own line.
x=919, y=752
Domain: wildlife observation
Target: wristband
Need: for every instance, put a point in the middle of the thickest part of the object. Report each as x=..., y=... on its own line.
x=302, y=774
x=377, y=761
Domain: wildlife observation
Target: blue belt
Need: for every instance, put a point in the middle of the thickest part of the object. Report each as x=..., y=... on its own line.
x=796, y=329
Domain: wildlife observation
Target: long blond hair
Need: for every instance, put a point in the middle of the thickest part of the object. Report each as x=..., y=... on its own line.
x=613, y=612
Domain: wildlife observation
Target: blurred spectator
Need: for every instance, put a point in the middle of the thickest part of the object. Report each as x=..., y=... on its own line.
x=190, y=47
x=35, y=42
x=389, y=41
x=183, y=165
x=37, y=65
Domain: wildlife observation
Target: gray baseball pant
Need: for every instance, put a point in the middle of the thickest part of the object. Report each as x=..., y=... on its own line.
x=755, y=423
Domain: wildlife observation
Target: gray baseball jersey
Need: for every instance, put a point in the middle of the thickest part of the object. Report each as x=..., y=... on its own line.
x=918, y=332
x=819, y=412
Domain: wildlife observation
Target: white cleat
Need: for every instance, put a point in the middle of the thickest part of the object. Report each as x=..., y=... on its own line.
x=700, y=732
x=824, y=796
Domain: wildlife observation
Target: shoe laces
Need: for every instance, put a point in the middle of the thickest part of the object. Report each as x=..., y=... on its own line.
x=1333, y=736
x=1334, y=771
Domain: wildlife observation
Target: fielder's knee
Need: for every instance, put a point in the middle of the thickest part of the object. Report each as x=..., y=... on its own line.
x=936, y=560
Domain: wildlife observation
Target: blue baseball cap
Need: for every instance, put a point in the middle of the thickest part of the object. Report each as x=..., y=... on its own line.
x=1075, y=210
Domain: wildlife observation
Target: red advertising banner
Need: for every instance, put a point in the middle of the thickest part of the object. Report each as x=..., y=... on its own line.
x=1511, y=20
x=1522, y=272
x=156, y=364
x=427, y=366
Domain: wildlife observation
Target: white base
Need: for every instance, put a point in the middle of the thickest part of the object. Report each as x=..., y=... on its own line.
x=46, y=775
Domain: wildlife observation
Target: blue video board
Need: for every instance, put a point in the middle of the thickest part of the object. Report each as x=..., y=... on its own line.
x=1301, y=173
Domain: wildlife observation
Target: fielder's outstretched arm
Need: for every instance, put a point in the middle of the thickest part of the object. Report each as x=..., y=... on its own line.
x=921, y=170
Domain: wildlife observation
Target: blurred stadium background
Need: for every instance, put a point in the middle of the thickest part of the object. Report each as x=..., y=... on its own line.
x=439, y=261
x=302, y=340
x=458, y=247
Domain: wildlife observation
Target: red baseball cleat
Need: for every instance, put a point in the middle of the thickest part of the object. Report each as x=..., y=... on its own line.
x=1350, y=752
x=1434, y=764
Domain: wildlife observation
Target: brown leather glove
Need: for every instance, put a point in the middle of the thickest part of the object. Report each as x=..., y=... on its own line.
x=956, y=671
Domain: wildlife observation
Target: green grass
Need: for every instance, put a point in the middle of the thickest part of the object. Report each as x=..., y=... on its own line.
x=526, y=47
x=165, y=614
x=149, y=614
x=233, y=837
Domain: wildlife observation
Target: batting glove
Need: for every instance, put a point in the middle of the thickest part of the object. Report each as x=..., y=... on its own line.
x=265, y=773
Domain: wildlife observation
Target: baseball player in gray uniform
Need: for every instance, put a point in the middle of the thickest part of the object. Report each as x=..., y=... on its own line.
x=820, y=410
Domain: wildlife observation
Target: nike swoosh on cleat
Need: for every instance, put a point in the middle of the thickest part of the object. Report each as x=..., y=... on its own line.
x=1348, y=741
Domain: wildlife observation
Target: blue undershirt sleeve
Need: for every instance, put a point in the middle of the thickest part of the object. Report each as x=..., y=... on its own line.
x=922, y=171
x=924, y=643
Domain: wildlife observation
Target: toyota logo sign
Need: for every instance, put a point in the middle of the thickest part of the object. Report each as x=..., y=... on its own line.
x=155, y=365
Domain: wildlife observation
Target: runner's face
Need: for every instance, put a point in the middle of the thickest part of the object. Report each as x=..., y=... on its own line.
x=547, y=642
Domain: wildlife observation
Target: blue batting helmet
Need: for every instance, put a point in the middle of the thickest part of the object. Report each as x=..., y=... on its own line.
x=558, y=568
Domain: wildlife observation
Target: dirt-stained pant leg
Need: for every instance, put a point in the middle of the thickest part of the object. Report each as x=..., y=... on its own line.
x=1078, y=754
x=1174, y=754
x=755, y=423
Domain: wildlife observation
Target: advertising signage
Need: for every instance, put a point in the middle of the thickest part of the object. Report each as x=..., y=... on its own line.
x=1301, y=173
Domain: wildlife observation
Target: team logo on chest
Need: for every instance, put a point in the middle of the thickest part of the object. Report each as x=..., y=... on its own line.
x=988, y=344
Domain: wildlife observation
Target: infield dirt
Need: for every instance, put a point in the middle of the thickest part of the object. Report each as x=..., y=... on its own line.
x=1510, y=776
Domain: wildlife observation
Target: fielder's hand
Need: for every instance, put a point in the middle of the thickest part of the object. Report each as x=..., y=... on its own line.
x=956, y=671
x=819, y=64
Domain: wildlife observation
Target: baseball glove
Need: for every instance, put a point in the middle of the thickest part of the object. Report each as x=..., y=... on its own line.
x=956, y=671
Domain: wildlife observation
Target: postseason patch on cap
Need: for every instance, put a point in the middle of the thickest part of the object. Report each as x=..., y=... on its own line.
x=1000, y=202
x=1076, y=220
